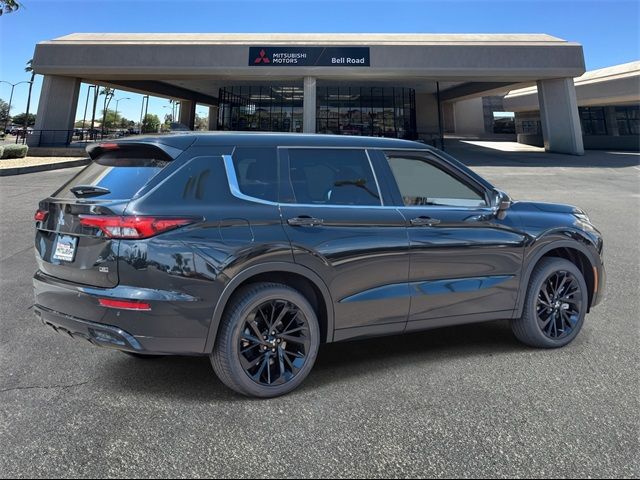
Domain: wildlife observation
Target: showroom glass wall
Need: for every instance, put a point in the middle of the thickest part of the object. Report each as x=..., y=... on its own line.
x=375, y=111
x=372, y=111
x=260, y=108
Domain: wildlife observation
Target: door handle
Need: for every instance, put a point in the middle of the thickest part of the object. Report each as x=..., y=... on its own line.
x=305, y=221
x=424, y=222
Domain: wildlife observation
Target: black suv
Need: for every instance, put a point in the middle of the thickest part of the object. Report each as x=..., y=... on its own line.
x=256, y=248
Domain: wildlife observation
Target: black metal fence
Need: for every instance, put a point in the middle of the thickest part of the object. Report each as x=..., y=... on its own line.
x=66, y=138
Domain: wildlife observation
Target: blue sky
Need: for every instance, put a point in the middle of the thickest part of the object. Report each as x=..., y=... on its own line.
x=608, y=29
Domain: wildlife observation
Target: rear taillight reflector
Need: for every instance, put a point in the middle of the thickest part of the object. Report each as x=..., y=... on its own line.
x=124, y=304
x=40, y=215
x=133, y=226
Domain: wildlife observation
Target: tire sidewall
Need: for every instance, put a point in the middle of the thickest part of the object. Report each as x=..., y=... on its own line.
x=540, y=276
x=272, y=293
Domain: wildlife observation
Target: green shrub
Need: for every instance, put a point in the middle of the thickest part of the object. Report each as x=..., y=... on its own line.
x=15, y=151
x=1, y=150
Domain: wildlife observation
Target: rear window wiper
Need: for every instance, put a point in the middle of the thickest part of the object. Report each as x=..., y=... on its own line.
x=89, y=190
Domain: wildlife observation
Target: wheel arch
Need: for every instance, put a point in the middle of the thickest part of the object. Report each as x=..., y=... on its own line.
x=576, y=251
x=301, y=278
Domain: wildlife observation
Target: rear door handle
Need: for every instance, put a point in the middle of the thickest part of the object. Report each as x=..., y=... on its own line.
x=305, y=221
x=424, y=222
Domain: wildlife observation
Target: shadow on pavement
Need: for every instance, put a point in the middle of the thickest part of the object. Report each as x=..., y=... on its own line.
x=192, y=378
x=478, y=156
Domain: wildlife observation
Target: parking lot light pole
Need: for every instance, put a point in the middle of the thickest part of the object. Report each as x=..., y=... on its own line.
x=13, y=85
x=116, y=115
x=86, y=104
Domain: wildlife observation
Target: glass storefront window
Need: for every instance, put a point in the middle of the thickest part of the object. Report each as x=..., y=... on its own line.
x=260, y=108
x=373, y=111
x=340, y=110
x=628, y=118
x=592, y=120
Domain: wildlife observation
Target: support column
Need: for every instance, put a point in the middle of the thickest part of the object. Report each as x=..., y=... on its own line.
x=188, y=114
x=56, y=112
x=559, y=116
x=309, y=106
x=213, y=118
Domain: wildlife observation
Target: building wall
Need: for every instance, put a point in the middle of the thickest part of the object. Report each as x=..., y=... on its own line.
x=469, y=117
x=603, y=127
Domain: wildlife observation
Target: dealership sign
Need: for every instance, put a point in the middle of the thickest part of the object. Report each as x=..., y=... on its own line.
x=309, y=56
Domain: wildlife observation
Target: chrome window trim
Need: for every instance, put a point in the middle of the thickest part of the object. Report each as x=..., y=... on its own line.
x=375, y=177
x=234, y=187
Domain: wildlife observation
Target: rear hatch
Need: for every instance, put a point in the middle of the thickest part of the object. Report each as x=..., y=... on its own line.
x=71, y=251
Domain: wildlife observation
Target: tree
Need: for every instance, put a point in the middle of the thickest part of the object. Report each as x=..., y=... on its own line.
x=108, y=95
x=29, y=69
x=151, y=123
x=21, y=119
x=202, y=123
x=8, y=6
x=110, y=119
x=4, y=112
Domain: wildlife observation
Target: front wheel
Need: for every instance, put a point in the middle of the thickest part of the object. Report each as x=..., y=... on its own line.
x=268, y=341
x=555, y=305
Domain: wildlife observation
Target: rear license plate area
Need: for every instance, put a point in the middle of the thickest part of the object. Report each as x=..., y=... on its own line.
x=65, y=248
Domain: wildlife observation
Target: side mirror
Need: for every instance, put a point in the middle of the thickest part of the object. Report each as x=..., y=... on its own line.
x=501, y=203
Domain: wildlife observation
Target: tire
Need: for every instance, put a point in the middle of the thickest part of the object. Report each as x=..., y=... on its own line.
x=253, y=366
x=142, y=356
x=552, y=318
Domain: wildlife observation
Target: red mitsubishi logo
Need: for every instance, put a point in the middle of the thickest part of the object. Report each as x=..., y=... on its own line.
x=262, y=58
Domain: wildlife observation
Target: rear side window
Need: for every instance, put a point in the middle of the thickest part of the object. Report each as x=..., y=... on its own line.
x=117, y=174
x=257, y=172
x=332, y=177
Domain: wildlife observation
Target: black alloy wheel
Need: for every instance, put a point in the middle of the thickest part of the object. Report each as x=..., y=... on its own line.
x=267, y=342
x=275, y=342
x=555, y=305
x=559, y=304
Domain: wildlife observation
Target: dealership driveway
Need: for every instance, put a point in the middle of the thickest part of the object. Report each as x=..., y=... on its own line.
x=466, y=401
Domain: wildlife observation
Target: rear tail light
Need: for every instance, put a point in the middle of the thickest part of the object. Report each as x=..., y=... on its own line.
x=133, y=226
x=124, y=304
x=40, y=215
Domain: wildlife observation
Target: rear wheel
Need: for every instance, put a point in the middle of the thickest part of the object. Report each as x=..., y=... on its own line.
x=555, y=305
x=268, y=341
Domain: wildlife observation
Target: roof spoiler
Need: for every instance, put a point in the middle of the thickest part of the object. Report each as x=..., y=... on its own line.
x=168, y=152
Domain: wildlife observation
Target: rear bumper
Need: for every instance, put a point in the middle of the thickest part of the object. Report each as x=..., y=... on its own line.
x=176, y=325
x=95, y=333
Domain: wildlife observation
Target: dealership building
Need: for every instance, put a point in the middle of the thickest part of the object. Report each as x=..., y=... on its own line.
x=608, y=107
x=396, y=85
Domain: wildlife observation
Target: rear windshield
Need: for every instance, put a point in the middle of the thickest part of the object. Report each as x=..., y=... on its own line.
x=121, y=172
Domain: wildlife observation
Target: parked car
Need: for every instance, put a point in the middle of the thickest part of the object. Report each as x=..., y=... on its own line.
x=255, y=249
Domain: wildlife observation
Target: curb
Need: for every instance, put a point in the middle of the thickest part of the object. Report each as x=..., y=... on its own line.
x=5, y=172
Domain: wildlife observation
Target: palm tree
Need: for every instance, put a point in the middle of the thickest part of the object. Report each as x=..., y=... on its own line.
x=8, y=6
x=108, y=95
x=29, y=69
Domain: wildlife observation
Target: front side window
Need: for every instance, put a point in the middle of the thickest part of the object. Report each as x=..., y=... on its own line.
x=332, y=177
x=422, y=183
x=257, y=172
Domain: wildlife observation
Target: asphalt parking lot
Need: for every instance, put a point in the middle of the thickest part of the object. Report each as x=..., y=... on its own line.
x=458, y=402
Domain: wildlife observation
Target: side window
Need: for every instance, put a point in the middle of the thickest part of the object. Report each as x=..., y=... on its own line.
x=332, y=177
x=257, y=172
x=423, y=183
